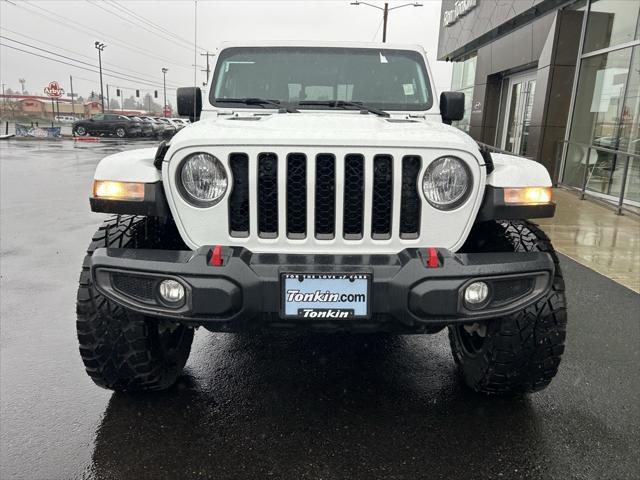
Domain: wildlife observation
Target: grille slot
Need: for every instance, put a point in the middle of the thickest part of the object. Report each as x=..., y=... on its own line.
x=382, y=198
x=410, y=197
x=268, y=195
x=142, y=288
x=296, y=195
x=353, y=196
x=325, y=203
x=239, y=198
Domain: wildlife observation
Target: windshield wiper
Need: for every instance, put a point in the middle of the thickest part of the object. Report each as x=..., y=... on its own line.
x=344, y=104
x=258, y=101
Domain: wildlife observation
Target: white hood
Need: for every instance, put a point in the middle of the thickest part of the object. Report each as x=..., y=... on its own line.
x=323, y=129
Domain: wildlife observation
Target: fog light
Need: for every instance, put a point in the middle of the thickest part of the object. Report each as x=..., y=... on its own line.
x=476, y=294
x=171, y=291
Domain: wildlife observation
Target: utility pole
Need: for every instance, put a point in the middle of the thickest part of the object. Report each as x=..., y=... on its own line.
x=385, y=13
x=108, y=100
x=164, y=86
x=100, y=47
x=208, y=70
x=73, y=105
x=385, y=16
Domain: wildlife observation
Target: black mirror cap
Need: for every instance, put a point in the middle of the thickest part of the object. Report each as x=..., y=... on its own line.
x=189, y=102
x=451, y=106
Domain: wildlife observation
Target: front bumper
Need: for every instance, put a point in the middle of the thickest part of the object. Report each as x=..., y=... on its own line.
x=245, y=292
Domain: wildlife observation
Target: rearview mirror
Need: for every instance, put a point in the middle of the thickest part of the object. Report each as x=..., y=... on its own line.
x=189, y=102
x=451, y=106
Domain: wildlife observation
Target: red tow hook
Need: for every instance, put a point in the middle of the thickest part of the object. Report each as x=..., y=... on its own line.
x=216, y=256
x=432, y=258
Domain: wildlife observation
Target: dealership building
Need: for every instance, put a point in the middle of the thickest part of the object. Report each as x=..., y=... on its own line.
x=556, y=81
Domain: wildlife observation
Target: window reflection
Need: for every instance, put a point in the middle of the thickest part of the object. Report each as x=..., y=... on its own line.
x=464, y=74
x=607, y=115
x=610, y=23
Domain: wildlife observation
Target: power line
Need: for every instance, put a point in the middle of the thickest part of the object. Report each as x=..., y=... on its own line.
x=64, y=21
x=67, y=50
x=152, y=24
x=133, y=77
x=77, y=66
x=136, y=24
x=377, y=30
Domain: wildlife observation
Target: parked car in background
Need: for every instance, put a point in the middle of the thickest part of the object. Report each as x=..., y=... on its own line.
x=170, y=128
x=180, y=123
x=107, y=124
x=158, y=127
x=147, y=128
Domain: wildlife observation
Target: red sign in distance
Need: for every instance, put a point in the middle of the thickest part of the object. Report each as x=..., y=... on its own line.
x=54, y=90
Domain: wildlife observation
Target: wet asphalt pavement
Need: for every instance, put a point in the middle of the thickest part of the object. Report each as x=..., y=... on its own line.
x=302, y=407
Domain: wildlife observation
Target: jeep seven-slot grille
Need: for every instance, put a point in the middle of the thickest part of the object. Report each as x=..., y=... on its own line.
x=299, y=173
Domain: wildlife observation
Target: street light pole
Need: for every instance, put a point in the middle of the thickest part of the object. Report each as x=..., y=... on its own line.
x=100, y=47
x=385, y=13
x=164, y=86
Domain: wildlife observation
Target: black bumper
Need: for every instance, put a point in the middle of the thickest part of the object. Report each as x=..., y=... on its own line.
x=245, y=292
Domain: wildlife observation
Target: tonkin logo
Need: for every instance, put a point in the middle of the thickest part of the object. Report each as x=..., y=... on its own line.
x=460, y=9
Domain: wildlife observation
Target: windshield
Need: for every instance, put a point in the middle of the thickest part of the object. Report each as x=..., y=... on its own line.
x=380, y=78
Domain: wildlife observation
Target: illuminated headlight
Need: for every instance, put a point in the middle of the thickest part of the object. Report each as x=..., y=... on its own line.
x=202, y=179
x=446, y=183
x=112, y=190
x=527, y=195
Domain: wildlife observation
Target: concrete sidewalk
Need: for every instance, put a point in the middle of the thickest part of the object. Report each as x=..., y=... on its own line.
x=596, y=237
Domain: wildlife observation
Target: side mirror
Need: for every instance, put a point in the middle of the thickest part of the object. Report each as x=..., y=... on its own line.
x=189, y=102
x=451, y=106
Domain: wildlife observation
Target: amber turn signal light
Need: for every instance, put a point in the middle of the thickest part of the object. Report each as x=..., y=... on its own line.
x=527, y=195
x=111, y=190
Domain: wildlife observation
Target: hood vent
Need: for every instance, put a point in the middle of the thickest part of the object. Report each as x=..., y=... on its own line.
x=400, y=120
x=246, y=119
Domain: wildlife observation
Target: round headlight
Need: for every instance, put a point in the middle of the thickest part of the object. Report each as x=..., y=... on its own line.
x=446, y=183
x=203, y=179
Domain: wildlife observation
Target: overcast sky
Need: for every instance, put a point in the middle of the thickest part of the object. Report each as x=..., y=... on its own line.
x=138, y=49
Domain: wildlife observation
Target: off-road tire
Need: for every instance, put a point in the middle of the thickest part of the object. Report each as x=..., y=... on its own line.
x=122, y=350
x=519, y=353
x=120, y=132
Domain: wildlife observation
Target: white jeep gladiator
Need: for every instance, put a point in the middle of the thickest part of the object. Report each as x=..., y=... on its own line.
x=321, y=188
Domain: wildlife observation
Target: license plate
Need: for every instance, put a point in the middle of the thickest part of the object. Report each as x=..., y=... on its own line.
x=317, y=296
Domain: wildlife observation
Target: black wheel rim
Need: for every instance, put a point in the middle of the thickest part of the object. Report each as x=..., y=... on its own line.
x=471, y=343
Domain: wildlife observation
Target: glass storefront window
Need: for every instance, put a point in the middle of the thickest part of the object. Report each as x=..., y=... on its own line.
x=611, y=23
x=596, y=116
x=629, y=134
x=606, y=114
x=463, y=79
